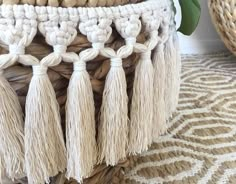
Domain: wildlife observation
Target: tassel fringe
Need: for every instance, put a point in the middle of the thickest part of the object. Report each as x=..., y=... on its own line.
x=159, y=118
x=140, y=136
x=170, y=89
x=11, y=131
x=178, y=67
x=44, y=144
x=80, y=118
x=41, y=152
x=113, y=128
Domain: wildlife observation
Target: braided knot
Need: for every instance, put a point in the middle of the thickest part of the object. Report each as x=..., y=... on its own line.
x=97, y=30
x=18, y=27
x=116, y=62
x=16, y=50
x=98, y=46
x=39, y=70
x=151, y=20
x=59, y=26
x=146, y=55
x=164, y=29
x=59, y=49
x=130, y=41
x=79, y=66
x=129, y=27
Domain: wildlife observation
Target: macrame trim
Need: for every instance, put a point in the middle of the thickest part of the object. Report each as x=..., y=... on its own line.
x=18, y=26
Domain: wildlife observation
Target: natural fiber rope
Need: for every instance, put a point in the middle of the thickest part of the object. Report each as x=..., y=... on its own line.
x=19, y=76
x=223, y=16
x=97, y=70
x=138, y=25
x=71, y=3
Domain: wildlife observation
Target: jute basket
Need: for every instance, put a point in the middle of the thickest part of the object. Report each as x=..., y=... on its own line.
x=20, y=76
x=71, y=3
x=155, y=43
x=223, y=16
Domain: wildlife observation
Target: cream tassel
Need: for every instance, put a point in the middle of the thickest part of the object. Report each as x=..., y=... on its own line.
x=80, y=119
x=11, y=126
x=170, y=90
x=1, y=171
x=113, y=128
x=44, y=144
x=140, y=136
x=159, y=118
x=178, y=67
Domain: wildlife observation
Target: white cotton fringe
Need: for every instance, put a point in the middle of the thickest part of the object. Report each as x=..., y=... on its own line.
x=171, y=73
x=1, y=170
x=80, y=122
x=113, y=128
x=11, y=131
x=44, y=144
x=140, y=135
x=178, y=67
x=159, y=118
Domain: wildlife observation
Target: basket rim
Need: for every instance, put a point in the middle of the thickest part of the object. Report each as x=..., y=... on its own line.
x=73, y=3
x=112, y=12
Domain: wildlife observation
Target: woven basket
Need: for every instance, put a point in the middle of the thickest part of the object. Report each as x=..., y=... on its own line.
x=19, y=76
x=71, y=3
x=223, y=16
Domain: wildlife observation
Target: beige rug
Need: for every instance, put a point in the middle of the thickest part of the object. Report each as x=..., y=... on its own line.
x=200, y=146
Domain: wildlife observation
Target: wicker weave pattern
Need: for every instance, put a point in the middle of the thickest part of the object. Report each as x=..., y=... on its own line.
x=223, y=16
x=71, y=3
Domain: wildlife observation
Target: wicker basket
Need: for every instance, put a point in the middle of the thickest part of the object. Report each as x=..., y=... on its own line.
x=20, y=76
x=223, y=16
x=71, y=3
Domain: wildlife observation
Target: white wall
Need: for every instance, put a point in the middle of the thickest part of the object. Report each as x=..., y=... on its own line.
x=204, y=39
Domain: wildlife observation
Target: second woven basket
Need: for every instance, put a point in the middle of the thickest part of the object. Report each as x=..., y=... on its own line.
x=223, y=16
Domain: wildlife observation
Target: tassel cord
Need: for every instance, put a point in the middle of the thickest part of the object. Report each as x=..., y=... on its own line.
x=80, y=119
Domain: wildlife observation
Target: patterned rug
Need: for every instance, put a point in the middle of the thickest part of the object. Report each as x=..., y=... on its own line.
x=200, y=146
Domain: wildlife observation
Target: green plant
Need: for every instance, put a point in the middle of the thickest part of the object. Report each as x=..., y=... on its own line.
x=191, y=11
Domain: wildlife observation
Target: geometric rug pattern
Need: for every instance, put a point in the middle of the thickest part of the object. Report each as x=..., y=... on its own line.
x=200, y=146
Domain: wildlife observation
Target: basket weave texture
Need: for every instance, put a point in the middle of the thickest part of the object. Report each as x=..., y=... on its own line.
x=20, y=76
x=71, y=3
x=223, y=14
